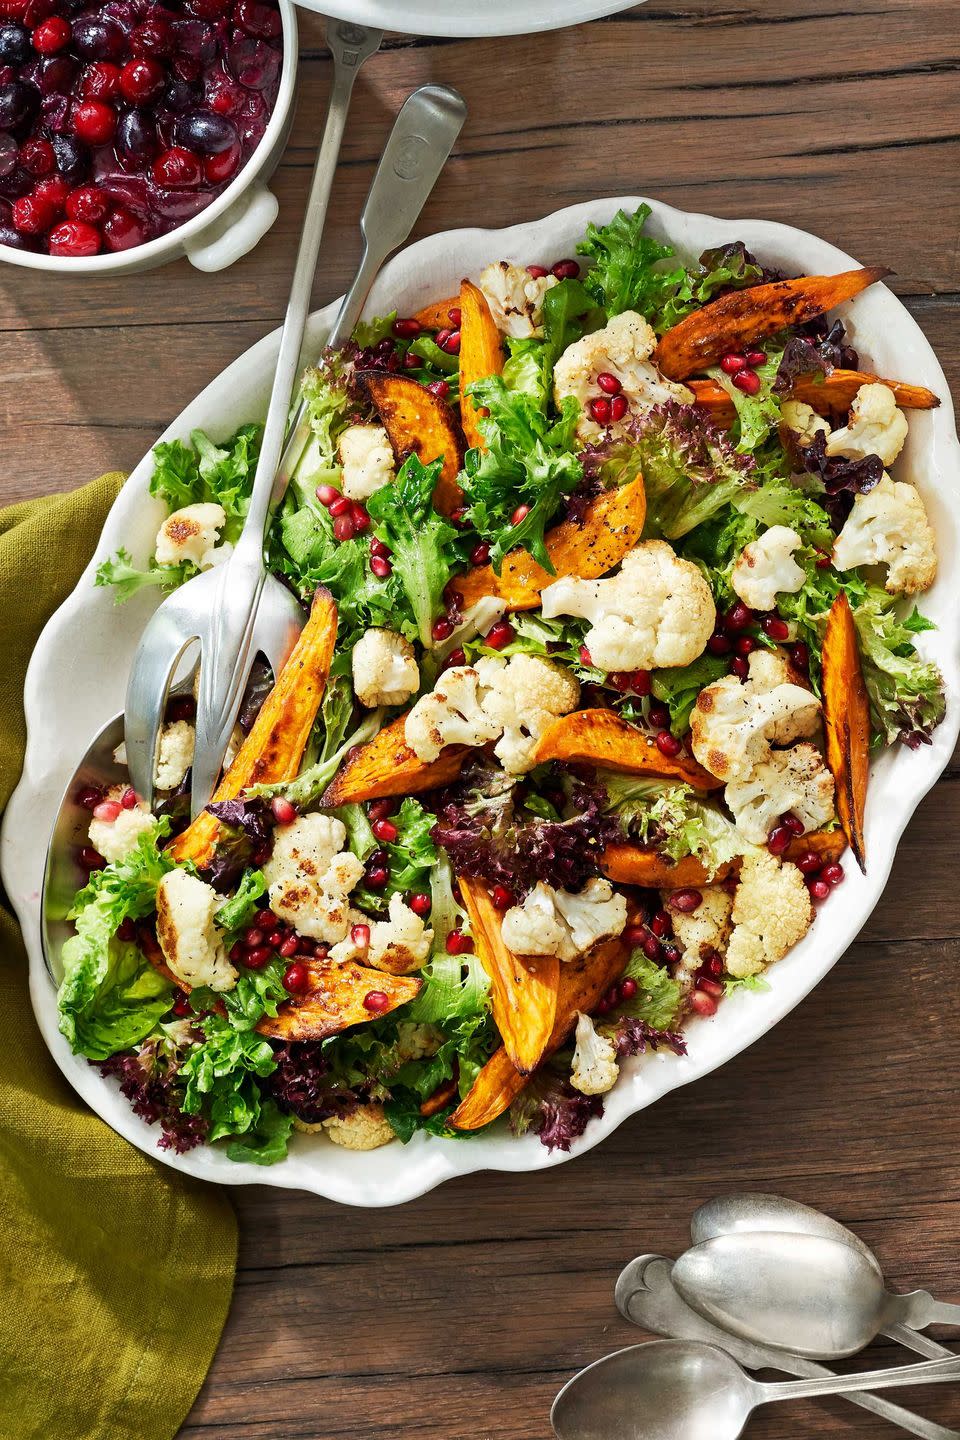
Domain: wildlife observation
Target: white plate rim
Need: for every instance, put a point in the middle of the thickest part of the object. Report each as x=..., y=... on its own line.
x=419, y=274
x=469, y=19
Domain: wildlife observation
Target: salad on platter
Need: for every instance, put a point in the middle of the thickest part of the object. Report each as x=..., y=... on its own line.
x=610, y=571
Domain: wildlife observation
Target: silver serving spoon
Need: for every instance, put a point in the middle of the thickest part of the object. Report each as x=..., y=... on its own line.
x=684, y=1390
x=646, y=1296
x=755, y=1212
x=809, y=1294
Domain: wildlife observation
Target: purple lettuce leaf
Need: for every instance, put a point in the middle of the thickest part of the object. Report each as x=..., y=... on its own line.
x=302, y=1085
x=150, y=1086
x=244, y=839
x=631, y=1036
x=553, y=1110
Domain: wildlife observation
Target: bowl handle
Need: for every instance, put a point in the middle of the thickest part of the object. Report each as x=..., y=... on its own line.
x=242, y=227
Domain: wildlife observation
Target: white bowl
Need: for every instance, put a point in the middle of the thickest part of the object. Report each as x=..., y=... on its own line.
x=231, y=225
x=85, y=650
x=469, y=17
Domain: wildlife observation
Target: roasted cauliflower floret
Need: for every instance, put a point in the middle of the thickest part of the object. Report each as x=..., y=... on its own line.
x=116, y=839
x=191, y=943
x=399, y=944
x=515, y=298
x=766, y=568
x=366, y=457
x=876, y=426
x=191, y=534
x=385, y=670
x=595, y=1069
x=703, y=929
x=794, y=780
x=557, y=922
x=366, y=1128
x=889, y=526
x=310, y=877
x=622, y=349
x=657, y=610
x=733, y=725
x=772, y=910
x=452, y=714
x=803, y=420
x=174, y=754
x=523, y=697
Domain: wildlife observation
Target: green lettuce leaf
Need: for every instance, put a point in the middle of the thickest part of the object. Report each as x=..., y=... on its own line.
x=422, y=541
x=657, y=1001
x=673, y=817
x=127, y=580
x=626, y=273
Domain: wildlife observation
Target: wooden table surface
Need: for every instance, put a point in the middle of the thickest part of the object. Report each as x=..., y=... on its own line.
x=459, y=1316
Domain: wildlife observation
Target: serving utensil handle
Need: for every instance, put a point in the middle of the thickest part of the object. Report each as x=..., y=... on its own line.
x=929, y=1372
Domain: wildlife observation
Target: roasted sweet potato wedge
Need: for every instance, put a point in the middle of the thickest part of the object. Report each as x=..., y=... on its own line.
x=274, y=748
x=481, y=354
x=440, y=1099
x=582, y=982
x=846, y=715
x=612, y=525
x=335, y=1000
x=523, y=988
x=601, y=737
x=640, y=865
x=827, y=845
x=828, y=395
x=420, y=424
x=732, y=322
x=387, y=766
x=437, y=316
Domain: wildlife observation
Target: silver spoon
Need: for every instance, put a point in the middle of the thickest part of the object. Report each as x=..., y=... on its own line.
x=755, y=1212
x=646, y=1296
x=684, y=1390
x=809, y=1294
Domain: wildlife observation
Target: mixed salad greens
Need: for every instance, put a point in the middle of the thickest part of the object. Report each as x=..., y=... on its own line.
x=609, y=591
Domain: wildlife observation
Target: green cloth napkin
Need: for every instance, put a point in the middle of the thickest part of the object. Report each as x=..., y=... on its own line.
x=116, y=1272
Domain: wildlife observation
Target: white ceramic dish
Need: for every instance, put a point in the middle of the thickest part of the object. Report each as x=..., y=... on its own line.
x=84, y=651
x=231, y=225
x=468, y=17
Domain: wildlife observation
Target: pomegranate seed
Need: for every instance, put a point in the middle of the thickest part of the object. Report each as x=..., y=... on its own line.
x=455, y=316
x=129, y=798
x=361, y=520
x=793, y=823
x=37, y=157
x=91, y=859
x=377, y=547
x=376, y=1001
x=107, y=810
x=126, y=930
x=385, y=830
x=732, y=364
x=618, y=408
x=537, y=271
x=456, y=657
x=585, y=656
x=520, y=514
x=628, y=988
x=343, y=528
x=775, y=628
x=458, y=944
x=421, y=904
x=360, y=935
x=342, y=505
x=709, y=987
x=685, y=901
x=778, y=839
x=755, y=358
x=819, y=889
x=740, y=668
x=264, y=920
x=635, y=934
x=452, y=343
x=442, y=628
x=738, y=617
x=306, y=946
x=703, y=1003
x=667, y=744
x=89, y=797
x=236, y=952
x=652, y=948
x=181, y=1007
x=808, y=863
x=640, y=683
x=51, y=35
x=377, y=877
x=458, y=517
x=744, y=645
x=177, y=169
x=609, y=384
x=748, y=381
x=380, y=567
x=824, y=562
x=94, y=122
x=565, y=269
x=327, y=494
x=604, y=1005
x=671, y=955
x=274, y=939
x=296, y=978
x=380, y=809
x=799, y=655
x=288, y=946
x=502, y=898
x=407, y=329
x=719, y=644
x=259, y=956
x=833, y=874
x=88, y=205
x=713, y=965
x=661, y=924
x=440, y=388
x=600, y=410
x=283, y=812
x=500, y=635
x=253, y=936
x=480, y=554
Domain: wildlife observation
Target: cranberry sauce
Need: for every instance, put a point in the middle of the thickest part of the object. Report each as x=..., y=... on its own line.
x=120, y=122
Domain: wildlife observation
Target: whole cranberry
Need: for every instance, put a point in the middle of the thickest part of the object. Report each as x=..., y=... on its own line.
x=37, y=156
x=258, y=19
x=56, y=75
x=95, y=122
x=87, y=204
x=177, y=169
x=217, y=168
x=51, y=35
x=122, y=230
x=141, y=81
x=31, y=215
x=73, y=238
x=52, y=192
x=154, y=37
